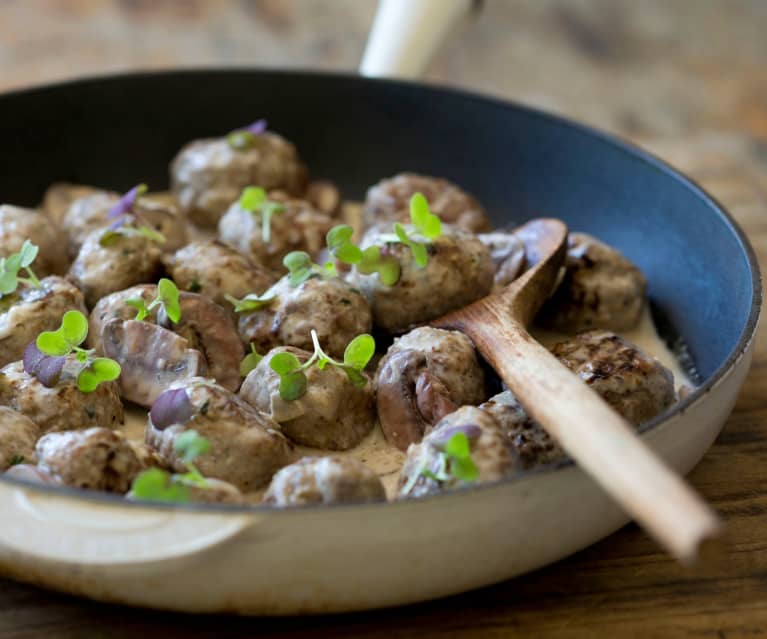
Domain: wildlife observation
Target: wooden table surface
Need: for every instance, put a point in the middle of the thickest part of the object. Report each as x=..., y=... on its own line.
x=687, y=79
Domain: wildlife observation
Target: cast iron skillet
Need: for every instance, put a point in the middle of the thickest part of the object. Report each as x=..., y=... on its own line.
x=116, y=131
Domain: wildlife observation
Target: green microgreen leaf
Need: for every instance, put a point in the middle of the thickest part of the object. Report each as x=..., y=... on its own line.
x=293, y=385
x=300, y=267
x=241, y=140
x=97, y=371
x=189, y=445
x=251, y=302
x=167, y=296
x=359, y=351
x=150, y=233
x=250, y=361
x=455, y=461
x=140, y=305
x=12, y=264
x=27, y=254
x=254, y=200
x=387, y=266
x=53, y=343
x=252, y=197
x=284, y=363
x=424, y=221
x=112, y=236
x=158, y=485
x=74, y=327
x=419, y=251
x=340, y=245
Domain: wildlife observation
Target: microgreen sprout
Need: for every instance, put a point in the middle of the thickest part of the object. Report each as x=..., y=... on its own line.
x=155, y=484
x=368, y=261
x=250, y=361
x=54, y=346
x=11, y=265
x=121, y=213
x=242, y=139
x=455, y=460
x=293, y=380
x=301, y=268
x=251, y=302
x=424, y=226
x=254, y=200
x=166, y=299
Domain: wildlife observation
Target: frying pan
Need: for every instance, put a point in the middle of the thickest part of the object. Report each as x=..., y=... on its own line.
x=117, y=131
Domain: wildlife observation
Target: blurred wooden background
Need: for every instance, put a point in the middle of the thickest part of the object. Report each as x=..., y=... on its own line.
x=685, y=78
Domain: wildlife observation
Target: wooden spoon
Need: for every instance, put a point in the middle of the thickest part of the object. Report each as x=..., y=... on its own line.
x=589, y=430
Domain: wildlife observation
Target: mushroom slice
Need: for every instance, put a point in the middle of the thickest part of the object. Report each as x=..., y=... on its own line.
x=151, y=358
x=209, y=329
x=409, y=398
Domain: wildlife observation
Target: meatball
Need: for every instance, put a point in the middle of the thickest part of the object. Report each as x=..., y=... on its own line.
x=246, y=445
x=508, y=252
x=389, y=201
x=95, y=459
x=91, y=212
x=490, y=451
x=59, y=197
x=600, y=289
x=333, y=414
x=299, y=227
x=125, y=261
x=460, y=270
x=636, y=385
x=64, y=406
x=18, y=434
x=426, y=374
x=208, y=175
x=18, y=224
x=534, y=446
x=30, y=311
x=331, y=306
x=324, y=480
x=215, y=270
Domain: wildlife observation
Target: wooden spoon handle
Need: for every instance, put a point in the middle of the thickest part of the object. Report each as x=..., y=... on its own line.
x=600, y=440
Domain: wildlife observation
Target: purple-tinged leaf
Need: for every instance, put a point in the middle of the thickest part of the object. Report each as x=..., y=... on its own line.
x=126, y=202
x=172, y=407
x=45, y=368
x=258, y=127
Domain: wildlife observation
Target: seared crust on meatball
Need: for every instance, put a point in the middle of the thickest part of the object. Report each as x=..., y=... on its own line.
x=333, y=414
x=299, y=227
x=490, y=451
x=30, y=311
x=91, y=212
x=213, y=269
x=208, y=175
x=460, y=270
x=95, y=459
x=335, y=309
x=246, y=445
x=426, y=374
x=600, y=289
x=324, y=480
x=389, y=201
x=59, y=197
x=64, y=406
x=18, y=224
x=18, y=435
x=634, y=384
x=125, y=261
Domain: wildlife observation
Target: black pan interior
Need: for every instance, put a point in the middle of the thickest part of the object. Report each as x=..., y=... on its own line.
x=115, y=132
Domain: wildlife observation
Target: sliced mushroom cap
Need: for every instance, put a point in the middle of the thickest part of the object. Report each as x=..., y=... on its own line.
x=210, y=329
x=410, y=399
x=508, y=253
x=151, y=358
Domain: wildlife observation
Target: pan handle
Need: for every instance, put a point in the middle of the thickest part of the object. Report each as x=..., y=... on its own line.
x=49, y=527
x=406, y=33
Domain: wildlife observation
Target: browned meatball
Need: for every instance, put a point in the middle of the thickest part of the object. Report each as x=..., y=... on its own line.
x=30, y=311
x=95, y=459
x=333, y=414
x=332, y=307
x=600, y=289
x=59, y=197
x=426, y=374
x=64, y=406
x=636, y=385
x=18, y=435
x=18, y=224
x=208, y=175
x=246, y=445
x=123, y=262
x=300, y=227
x=490, y=451
x=324, y=480
x=460, y=270
x=91, y=212
x=215, y=270
x=389, y=201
